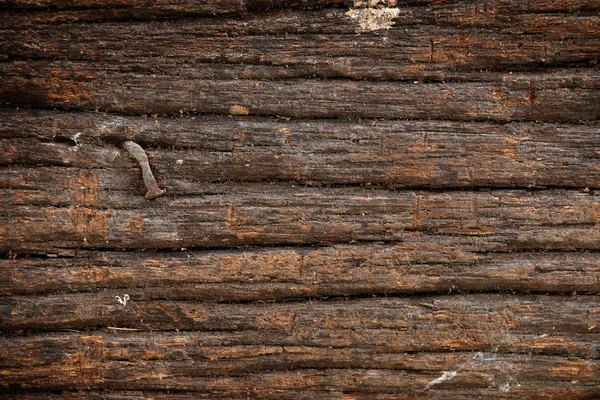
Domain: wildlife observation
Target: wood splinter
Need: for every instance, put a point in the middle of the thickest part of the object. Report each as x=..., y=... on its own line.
x=136, y=151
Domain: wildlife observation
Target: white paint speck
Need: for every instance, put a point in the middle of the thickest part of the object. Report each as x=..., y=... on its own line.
x=123, y=300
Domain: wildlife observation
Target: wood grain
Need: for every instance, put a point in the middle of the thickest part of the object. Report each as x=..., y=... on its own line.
x=271, y=61
x=407, y=213
x=419, y=264
x=467, y=12
x=243, y=366
x=444, y=317
x=533, y=391
x=426, y=42
x=272, y=214
x=394, y=154
x=246, y=347
x=558, y=96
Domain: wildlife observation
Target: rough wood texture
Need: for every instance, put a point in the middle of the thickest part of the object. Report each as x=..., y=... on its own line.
x=362, y=342
x=407, y=213
x=563, y=95
x=173, y=67
x=395, y=154
x=282, y=214
x=418, y=264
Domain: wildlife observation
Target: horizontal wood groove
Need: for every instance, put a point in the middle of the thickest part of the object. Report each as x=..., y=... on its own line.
x=406, y=375
x=155, y=7
x=556, y=39
x=551, y=391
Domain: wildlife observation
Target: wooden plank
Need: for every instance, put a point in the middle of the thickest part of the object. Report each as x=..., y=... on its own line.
x=164, y=6
x=419, y=264
x=432, y=323
x=423, y=44
x=183, y=66
x=104, y=360
x=258, y=347
x=548, y=390
x=456, y=11
x=509, y=5
x=273, y=214
x=397, y=154
x=318, y=255
x=562, y=95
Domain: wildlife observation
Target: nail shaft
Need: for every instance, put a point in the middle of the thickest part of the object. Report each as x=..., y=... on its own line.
x=136, y=151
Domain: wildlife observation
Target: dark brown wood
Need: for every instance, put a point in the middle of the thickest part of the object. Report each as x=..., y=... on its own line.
x=464, y=13
x=324, y=43
x=243, y=341
x=384, y=200
x=396, y=154
x=419, y=264
x=154, y=9
x=378, y=373
x=392, y=323
x=269, y=214
x=564, y=95
x=537, y=390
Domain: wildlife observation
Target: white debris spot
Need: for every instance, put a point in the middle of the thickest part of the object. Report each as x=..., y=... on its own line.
x=179, y=162
x=505, y=387
x=446, y=376
x=374, y=3
x=123, y=300
x=372, y=19
x=75, y=137
x=372, y=15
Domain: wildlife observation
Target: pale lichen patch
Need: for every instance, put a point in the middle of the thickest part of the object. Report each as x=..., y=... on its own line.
x=372, y=15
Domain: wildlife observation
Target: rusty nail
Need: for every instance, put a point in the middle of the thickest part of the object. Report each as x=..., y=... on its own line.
x=136, y=151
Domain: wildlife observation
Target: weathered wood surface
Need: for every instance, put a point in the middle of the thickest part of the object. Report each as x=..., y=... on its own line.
x=419, y=264
x=563, y=95
x=462, y=13
x=254, y=215
x=549, y=391
x=154, y=9
x=173, y=67
x=302, y=41
x=349, y=214
x=396, y=154
x=180, y=361
x=373, y=335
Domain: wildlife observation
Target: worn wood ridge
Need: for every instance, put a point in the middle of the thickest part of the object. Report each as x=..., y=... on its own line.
x=395, y=154
x=365, y=200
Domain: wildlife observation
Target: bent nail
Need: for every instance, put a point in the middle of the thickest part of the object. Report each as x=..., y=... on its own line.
x=136, y=151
